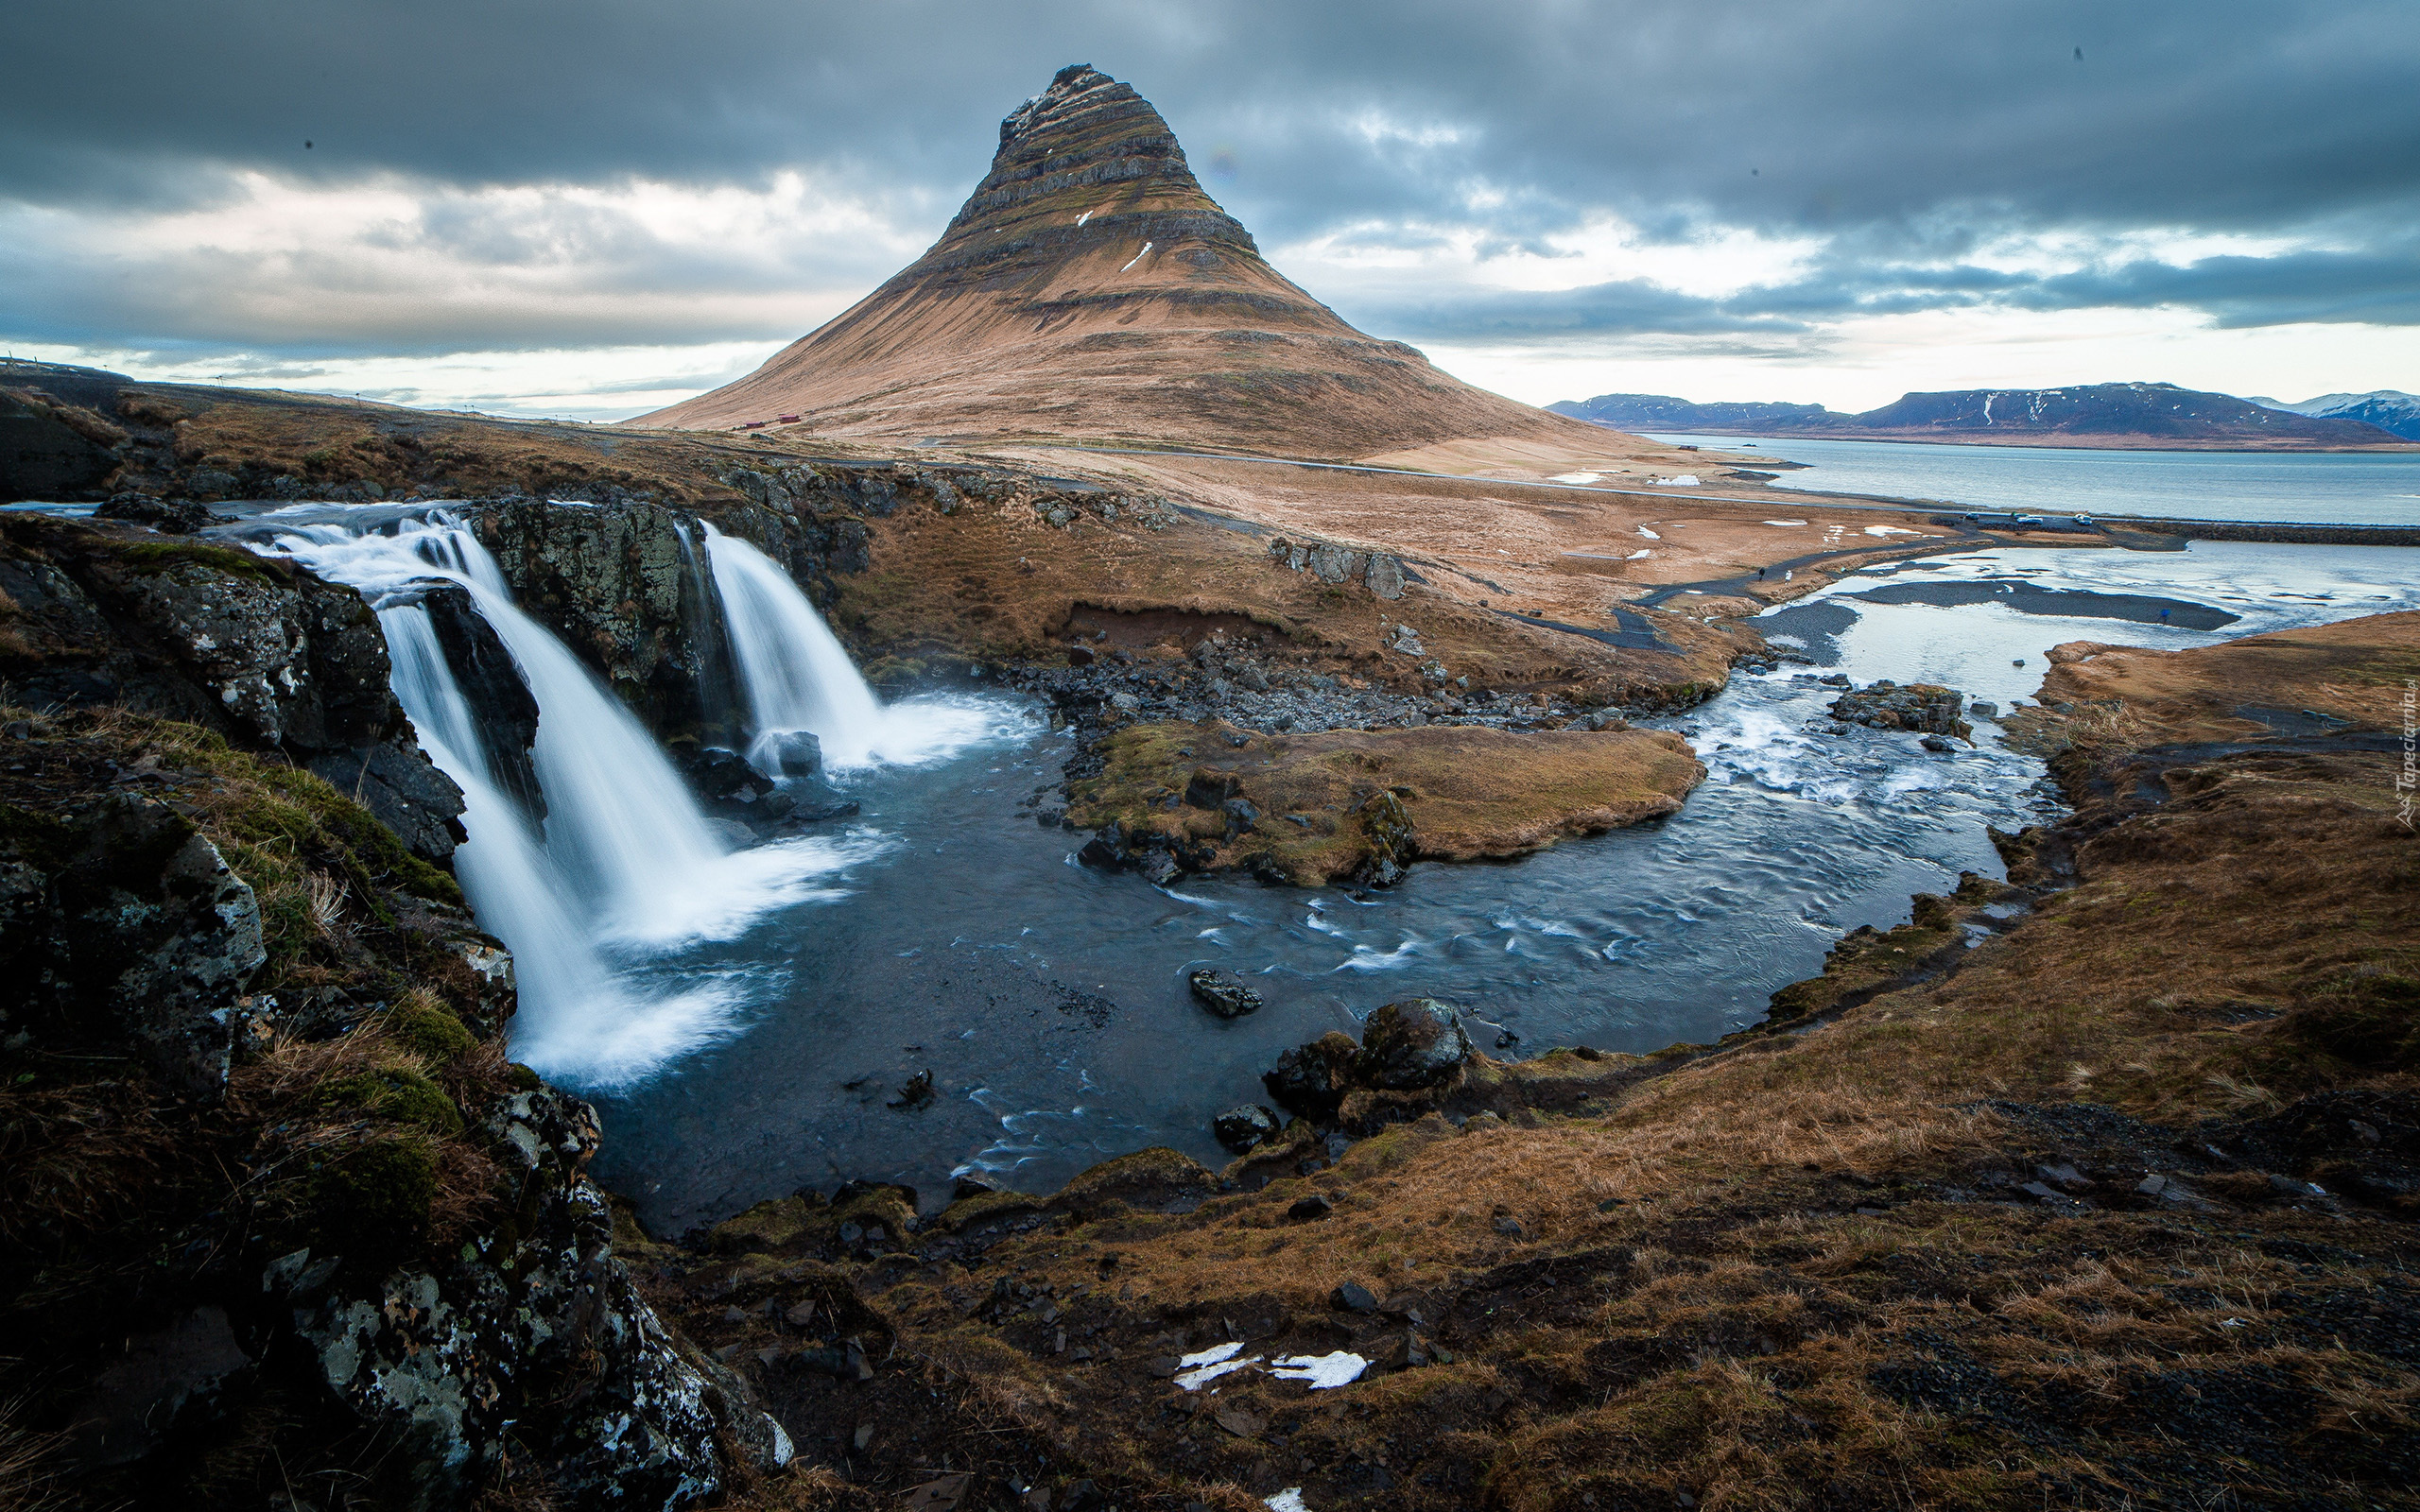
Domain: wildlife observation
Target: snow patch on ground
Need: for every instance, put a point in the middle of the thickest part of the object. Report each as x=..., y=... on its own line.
x=1210, y=1364
x=1324, y=1371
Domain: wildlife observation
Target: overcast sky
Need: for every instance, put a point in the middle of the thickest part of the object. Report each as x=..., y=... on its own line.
x=593, y=209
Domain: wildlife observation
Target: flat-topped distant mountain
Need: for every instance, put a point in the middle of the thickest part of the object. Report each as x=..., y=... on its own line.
x=1089, y=290
x=2132, y=416
x=2388, y=409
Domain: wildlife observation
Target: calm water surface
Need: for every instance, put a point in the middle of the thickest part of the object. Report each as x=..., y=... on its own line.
x=2332, y=487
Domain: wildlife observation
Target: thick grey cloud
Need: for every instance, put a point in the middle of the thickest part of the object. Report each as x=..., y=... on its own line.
x=1901, y=132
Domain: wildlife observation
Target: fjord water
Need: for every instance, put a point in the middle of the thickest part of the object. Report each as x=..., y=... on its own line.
x=1048, y=999
x=2333, y=487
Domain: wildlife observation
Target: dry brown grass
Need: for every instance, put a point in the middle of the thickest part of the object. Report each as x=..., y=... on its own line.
x=35, y=1475
x=2354, y=671
x=1471, y=792
x=1774, y=1276
x=73, y=1159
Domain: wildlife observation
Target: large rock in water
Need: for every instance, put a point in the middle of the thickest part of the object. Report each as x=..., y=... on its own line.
x=1240, y=1128
x=1405, y=1046
x=1312, y=1079
x=1223, y=994
x=500, y=702
x=1924, y=707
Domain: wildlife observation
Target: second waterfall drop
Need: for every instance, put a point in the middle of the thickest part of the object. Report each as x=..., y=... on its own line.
x=793, y=671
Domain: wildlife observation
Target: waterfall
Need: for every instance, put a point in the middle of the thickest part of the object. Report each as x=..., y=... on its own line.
x=624, y=864
x=793, y=672
x=573, y=1016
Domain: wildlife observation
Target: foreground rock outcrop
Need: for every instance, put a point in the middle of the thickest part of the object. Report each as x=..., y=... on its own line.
x=279, y=1222
x=256, y=650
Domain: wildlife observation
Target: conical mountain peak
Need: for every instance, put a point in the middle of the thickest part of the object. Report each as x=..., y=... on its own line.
x=1089, y=290
x=1084, y=163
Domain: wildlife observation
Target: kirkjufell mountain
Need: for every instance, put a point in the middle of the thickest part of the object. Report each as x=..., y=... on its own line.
x=1090, y=289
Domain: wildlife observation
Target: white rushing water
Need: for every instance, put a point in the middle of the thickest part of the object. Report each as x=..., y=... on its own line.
x=795, y=675
x=624, y=866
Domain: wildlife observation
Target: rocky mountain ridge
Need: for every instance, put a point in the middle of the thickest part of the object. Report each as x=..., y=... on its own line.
x=2130, y=414
x=2388, y=409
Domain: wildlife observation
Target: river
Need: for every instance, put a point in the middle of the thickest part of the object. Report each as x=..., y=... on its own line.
x=1047, y=999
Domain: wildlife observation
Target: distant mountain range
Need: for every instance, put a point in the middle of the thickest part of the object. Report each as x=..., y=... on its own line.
x=2388, y=409
x=2132, y=415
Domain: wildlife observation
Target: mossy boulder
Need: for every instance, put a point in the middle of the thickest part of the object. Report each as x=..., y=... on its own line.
x=430, y=1029
x=1311, y=1079
x=1412, y=1044
x=1152, y=1178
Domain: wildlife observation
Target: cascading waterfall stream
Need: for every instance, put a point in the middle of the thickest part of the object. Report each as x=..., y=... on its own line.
x=794, y=674
x=625, y=861
x=792, y=670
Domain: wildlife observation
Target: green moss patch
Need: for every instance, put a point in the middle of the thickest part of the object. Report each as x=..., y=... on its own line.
x=402, y=1095
x=374, y=1199
x=151, y=557
x=429, y=1028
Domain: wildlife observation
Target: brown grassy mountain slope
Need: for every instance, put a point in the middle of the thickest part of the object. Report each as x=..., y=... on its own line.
x=1089, y=290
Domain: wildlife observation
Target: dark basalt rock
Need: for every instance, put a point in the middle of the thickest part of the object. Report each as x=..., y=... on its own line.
x=794, y=754
x=126, y=927
x=1924, y=707
x=170, y=517
x=260, y=651
x=1392, y=843
x=169, y=1382
x=502, y=707
x=725, y=776
x=1223, y=992
x=1416, y=1044
x=50, y=450
x=1240, y=1128
x=420, y=1351
x=1312, y=1079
